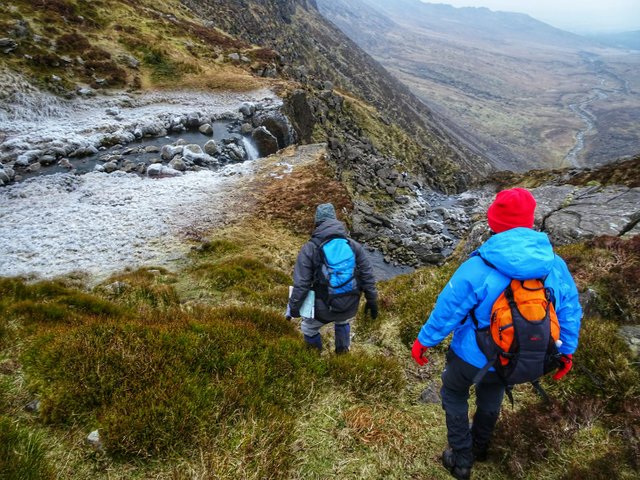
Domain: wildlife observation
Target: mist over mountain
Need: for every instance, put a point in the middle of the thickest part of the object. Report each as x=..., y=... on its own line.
x=530, y=94
x=625, y=40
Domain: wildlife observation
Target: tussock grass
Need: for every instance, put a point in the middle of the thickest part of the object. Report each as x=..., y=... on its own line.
x=142, y=289
x=22, y=453
x=368, y=376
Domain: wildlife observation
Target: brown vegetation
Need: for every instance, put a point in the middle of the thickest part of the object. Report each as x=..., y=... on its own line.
x=294, y=201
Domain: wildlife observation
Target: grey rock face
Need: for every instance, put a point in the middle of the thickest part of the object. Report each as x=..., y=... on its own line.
x=631, y=335
x=572, y=214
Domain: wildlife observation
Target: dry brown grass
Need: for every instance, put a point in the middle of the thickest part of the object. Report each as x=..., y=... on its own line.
x=293, y=201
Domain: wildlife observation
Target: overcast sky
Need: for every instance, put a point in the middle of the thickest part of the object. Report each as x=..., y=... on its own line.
x=584, y=16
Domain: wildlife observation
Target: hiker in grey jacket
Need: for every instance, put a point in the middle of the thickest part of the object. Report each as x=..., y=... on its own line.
x=306, y=276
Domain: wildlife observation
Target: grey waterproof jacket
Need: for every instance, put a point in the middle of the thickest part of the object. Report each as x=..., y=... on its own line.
x=309, y=261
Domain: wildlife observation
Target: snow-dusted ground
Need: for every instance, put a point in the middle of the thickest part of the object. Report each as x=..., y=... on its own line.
x=99, y=223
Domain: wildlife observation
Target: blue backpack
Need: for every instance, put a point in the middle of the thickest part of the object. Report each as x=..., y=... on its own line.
x=336, y=275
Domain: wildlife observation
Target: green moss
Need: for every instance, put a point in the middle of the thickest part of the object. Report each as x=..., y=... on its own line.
x=22, y=454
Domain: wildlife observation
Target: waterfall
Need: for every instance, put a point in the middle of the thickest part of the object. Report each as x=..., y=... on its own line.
x=250, y=148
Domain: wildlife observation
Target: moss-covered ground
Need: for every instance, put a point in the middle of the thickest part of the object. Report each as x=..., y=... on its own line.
x=197, y=374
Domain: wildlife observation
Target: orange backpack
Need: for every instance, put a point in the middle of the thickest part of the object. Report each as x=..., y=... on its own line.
x=522, y=339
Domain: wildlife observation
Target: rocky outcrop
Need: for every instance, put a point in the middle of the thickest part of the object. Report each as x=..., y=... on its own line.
x=572, y=214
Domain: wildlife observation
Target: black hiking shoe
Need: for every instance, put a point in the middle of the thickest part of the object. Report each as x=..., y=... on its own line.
x=449, y=462
x=480, y=453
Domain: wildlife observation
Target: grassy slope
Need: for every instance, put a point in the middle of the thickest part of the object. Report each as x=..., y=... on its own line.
x=84, y=42
x=195, y=374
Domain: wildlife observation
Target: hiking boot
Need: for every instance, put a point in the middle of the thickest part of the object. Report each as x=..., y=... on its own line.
x=480, y=453
x=449, y=462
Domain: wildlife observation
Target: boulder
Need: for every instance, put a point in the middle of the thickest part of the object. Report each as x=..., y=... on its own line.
x=159, y=170
x=170, y=151
x=110, y=167
x=129, y=60
x=84, y=151
x=206, y=129
x=194, y=154
x=631, y=335
x=7, y=45
x=47, y=160
x=265, y=141
x=211, y=147
x=27, y=158
x=235, y=152
x=193, y=120
x=247, y=109
x=178, y=164
x=93, y=439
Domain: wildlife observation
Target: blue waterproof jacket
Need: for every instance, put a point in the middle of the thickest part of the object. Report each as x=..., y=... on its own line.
x=519, y=253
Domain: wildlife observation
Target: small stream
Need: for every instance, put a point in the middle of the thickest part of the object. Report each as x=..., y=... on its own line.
x=147, y=150
x=589, y=120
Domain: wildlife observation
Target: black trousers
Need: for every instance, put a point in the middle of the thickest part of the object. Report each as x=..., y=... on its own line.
x=457, y=379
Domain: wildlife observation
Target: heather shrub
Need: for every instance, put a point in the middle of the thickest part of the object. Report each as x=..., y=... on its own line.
x=611, y=267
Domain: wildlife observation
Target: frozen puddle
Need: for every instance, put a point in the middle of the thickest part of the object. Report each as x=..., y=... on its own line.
x=99, y=223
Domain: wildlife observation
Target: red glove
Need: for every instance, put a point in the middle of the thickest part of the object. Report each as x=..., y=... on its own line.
x=567, y=363
x=418, y=351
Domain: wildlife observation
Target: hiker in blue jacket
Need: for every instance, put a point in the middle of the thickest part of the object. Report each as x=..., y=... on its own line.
x=306, y=277
x=514, y=251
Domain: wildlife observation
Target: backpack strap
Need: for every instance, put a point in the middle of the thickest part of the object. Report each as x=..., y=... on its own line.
x=472, y=312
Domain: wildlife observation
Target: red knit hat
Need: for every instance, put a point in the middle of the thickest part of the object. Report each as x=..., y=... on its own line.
x=511, y=208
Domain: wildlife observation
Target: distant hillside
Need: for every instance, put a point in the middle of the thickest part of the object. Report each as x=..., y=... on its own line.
x=530, y=95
